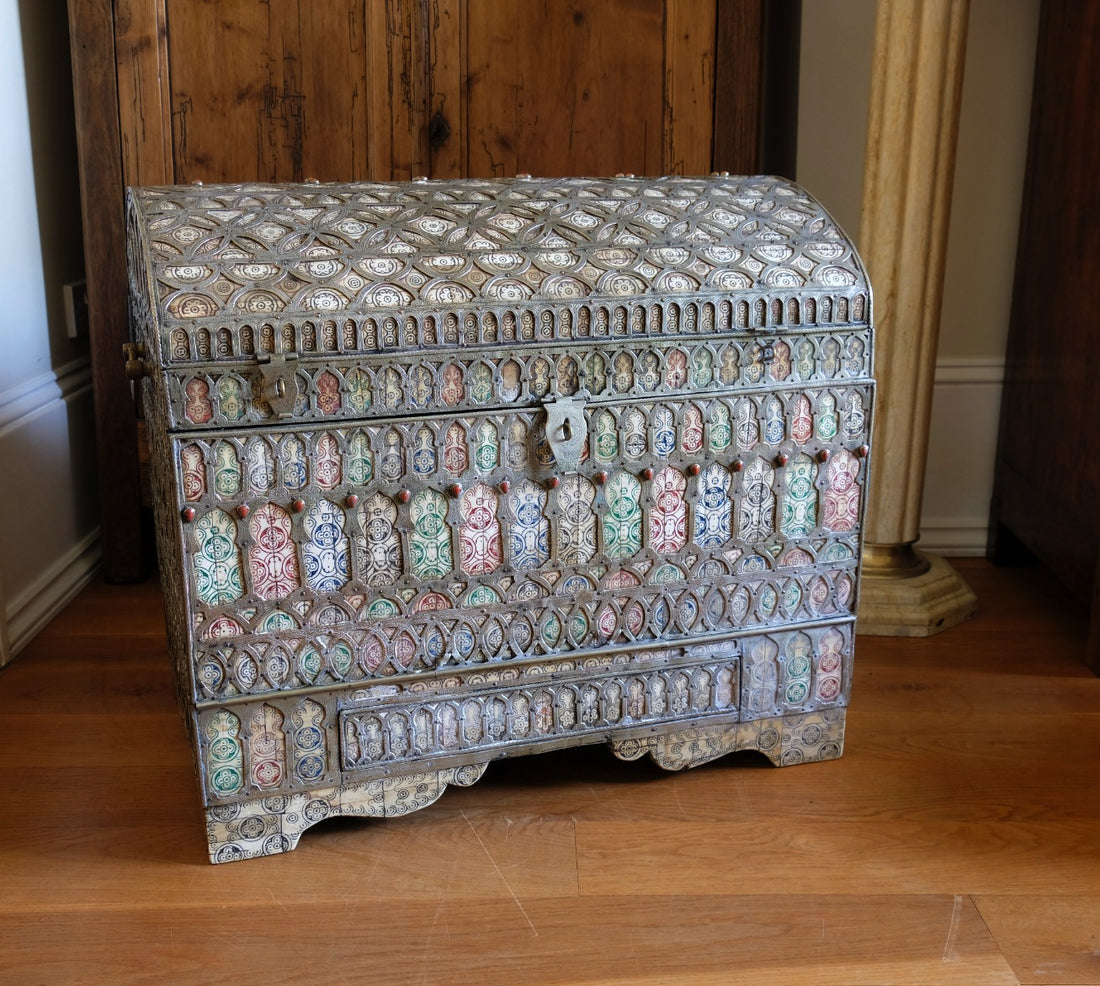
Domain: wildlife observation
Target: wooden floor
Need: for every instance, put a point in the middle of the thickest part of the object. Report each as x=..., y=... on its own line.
x=957, y=840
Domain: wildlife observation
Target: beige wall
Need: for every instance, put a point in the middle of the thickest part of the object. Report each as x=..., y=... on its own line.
x=837, y=38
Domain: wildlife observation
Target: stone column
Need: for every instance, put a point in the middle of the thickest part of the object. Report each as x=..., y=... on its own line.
x=916, y=84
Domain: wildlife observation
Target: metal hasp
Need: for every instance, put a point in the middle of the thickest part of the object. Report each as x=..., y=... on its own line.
x=566, y=431
x=134, y=354
x=280, y=383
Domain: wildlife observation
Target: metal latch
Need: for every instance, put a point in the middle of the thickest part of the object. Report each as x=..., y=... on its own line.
x=566, y=431
x=135, y=360
x=280, y=383
x=764, y=353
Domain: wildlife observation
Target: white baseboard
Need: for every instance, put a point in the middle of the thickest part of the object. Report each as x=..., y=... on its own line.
x=34, y=605
x=953, y=371
x=962, y=444
x=955, y=537
x=45, y=426
x=21, y=403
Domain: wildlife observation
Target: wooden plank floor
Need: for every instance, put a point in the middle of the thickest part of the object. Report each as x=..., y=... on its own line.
x=957, y=840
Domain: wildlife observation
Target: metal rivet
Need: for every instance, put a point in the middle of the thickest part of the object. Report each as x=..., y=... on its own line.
x=823, y=455
x=694, y=469
x=647, y=473
x=601, y=476
x=863, y=451
x=553, y=483
x=737, y=465
x=505, y=486
x=455, y=489
x=242, y=510
x=782, y=459
x=298, y=506
x=404, y=496
x=351, y=500
x=188, y=514
x=523, y=174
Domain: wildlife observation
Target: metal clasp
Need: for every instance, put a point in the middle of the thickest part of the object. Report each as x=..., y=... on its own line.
x=566, y=431
x=765, y=354
x=280, y=383
x=134, y=352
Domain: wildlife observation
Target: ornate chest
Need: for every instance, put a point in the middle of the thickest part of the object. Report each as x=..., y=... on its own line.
x=447, y=471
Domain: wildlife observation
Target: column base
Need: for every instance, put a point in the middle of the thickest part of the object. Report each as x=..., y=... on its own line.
x=897, y=604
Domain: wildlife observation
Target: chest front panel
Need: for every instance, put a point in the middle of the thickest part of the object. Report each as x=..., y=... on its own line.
x=408, y=538
x=426, y=543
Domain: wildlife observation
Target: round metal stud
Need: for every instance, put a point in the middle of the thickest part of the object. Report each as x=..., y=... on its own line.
x=647, y=473
x=737, y=465
x=455, y=489
x=553, y=483
x=404, y=496
x=351, y=500
x=823, y=455
x=601, y=476
x=694, y=469
x=188, y=514
x=782, y=459
x=505, y=486
x=863, y=451
x=298, y=506
x=242, y=510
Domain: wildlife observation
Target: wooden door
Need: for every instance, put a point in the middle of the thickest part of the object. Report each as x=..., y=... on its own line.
x=342, y=89
x=174, y=91
x=1047, y=474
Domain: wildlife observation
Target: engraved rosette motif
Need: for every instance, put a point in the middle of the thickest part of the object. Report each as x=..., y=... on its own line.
x=454, y=470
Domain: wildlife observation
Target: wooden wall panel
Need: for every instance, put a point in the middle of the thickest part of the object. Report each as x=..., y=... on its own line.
x=269, y=92
x=345, y=89
x=396, y=86
x=737, y=86
x=447, y=61
x=689, y=54
x=564, y=89
x=334, y=67
x=141, y=49
x=96, y=101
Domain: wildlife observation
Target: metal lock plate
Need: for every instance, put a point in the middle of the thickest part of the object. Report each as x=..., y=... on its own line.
x=280, y=383
x=566, y=431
